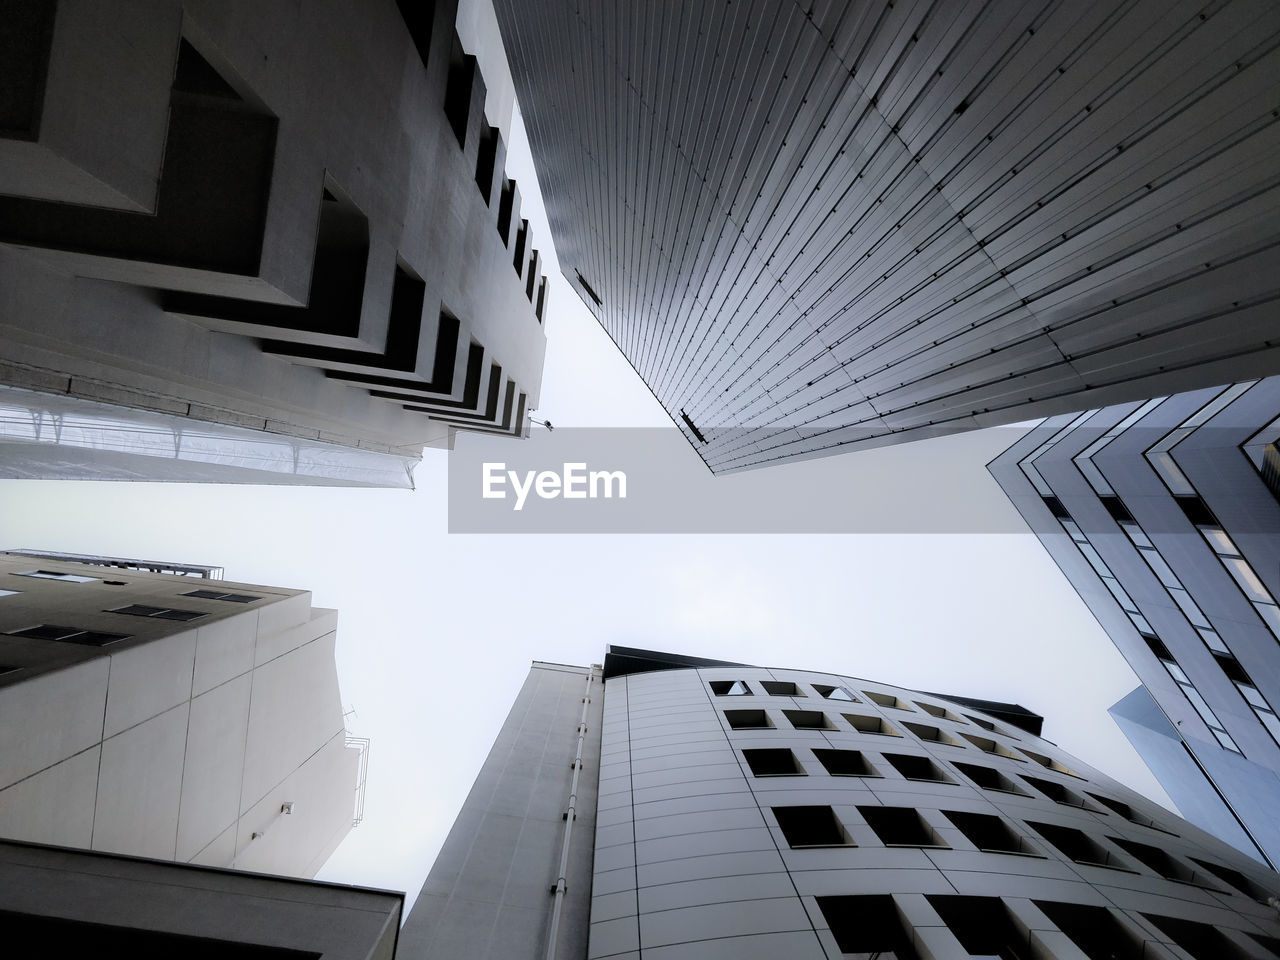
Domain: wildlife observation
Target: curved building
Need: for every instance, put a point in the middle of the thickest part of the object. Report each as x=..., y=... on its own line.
x=759, y=813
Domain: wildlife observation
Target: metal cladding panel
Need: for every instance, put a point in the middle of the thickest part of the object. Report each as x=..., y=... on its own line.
x=763, y=194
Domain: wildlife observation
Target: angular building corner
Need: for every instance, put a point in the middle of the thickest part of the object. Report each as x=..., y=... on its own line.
x=752, y=813
x=260, y=243
x=818, y=226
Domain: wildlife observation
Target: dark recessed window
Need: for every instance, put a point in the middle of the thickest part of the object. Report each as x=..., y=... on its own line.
x=56, y=575
x=1198, y=939
x=773, y=763
x=868, y=926
x=747, y=720
x=988, y=725
x=1126, y=811
x=845, y=763
x=808, y=719
x=1098, y=934
x=917, y=768
x=160, y=613
x=990, y=746
x=811, y=827
x=1163, y=864
x=1076, y=845
x=1050, y=764
x=989, y=779
x=1236, y=879
x=834, y=693
x=886, y=700
x=871, y=725
x=729, y=688
x=932, y=734
x=942, y=713
x=900, y=827
x=781, y=688
x=218, y=595
x=90, y=638
x=989, y=833
x=1057, y=792
x=983, y=926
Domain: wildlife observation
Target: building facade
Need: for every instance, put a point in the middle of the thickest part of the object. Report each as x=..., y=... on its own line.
x=755, y=813
x=1165, y=517
x=256, y=242
x=817, y=226
x=173, y=718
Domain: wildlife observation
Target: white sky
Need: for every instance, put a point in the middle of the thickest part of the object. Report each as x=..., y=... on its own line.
x=436, y=632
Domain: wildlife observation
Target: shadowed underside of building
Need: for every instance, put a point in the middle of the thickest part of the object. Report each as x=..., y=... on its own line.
x=282, y=233
x=819, y=225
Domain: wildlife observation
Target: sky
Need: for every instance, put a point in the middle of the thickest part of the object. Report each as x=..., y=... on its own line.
x=437, y=630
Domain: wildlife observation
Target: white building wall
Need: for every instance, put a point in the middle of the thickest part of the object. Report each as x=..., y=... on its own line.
x=183, y=741
x=691, y=861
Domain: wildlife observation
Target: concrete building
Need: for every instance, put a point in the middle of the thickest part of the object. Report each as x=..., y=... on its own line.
x=160, y=716
x=73, y=903
x=1164, y=516
x=818, y=226
x=667, y=807
x=257, y=242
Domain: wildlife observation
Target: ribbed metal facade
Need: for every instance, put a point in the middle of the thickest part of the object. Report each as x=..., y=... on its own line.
x=1161, y=516
x=813, y=225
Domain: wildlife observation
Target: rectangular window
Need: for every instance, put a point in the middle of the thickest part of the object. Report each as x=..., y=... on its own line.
x=942, y=713
x=1236, y=879
x=868, y=926
x=1050, y=764
x=845, y=763
x=808, y=719
x=932, y=734
x=219, y=595
x=89, y=638
x=56, y=575
x=1126, y=811
x=983, y=926
x=900, y=827
x=1098, y=934
x=989, y=779
x=781, y=688
x=811, y=827
x=989, y=833
x=917, y=768
x=991, y=747
x=1077, y=845
x=729, y=688
x=1198, y=939
x=1057, y=792
x=886, y=700
x=160, y=613
x=834, y=693
x=871, y=725
x=773, y=763
x=747, y=720
x=1160, y=861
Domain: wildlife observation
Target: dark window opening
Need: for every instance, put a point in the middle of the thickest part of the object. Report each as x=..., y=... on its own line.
x=1098, y=934
x=522, y=238
x=867, y=925
x=1236, y=879
x=486, y=158
x=1076, y=845
x=886, y=700
x=219, y=595
x=811, y=827
x=1162, y=863
x=160, y=613
x=457, y=94
x=988, y=833
x=773, y=763
x=983, y=926
x=1119, y=512
x=88, y=638
x=747, y=720
x=1199, y=939
x=540, y=310
x=1050, y=764
x=990, y=746
x=1057, y=792
x=688, y=422
x=781, y=688
x=25, y=44
x=1056, y=508
x=729, y=688
x=1126, y=811
x=1158, y=648
x=808, y=719
x=900, y=827
x=531, y=276
x=871, y=725
x=917, y=768
x=931, y=734
x=417, y=16
x=194, y=74
x=1232, y=668
x=989, y=779
x=942, y=713
x=845, y=763
x=1197, y=511
x=588, y=289
x=505, y=203
x=834, y=693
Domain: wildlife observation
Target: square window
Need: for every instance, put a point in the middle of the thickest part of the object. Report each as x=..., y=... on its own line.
x=1050, y=764
x=1163, y=864
x=871, y=725
x=989, y=779
x=748, y=720
x=1126, y=811
x=900, y=827
x=773, y=763
x=835, y=693
x=781, y=688
x=845, y=763
x=989, y=833
x=932, y=734
x=868, y=926
x=1094, y=930
x=1236, y=879
x=1076, y=845
x=204, y=594
x=811, y=827
x=220, y=595
x=917, y=768
x=991, y=747
x=982, y=925
x=988, y=725
x=1058, y=793
x=886, y=700
x=138, y=610
x=179, y=615
x=1198, y=939
x=46, y=631
x=808, y=719
x=729, y=688
x=942, y=713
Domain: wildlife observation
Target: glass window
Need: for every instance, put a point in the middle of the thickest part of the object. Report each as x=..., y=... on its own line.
x=1121, y=597
x=1137, y=536
x=1177, y=672
x=1095, y=561
x=1247, y=579
x=1183, y=599
x=1220, y=542
x=1162, y=569
x=1212, y=640
x=1270, y=615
